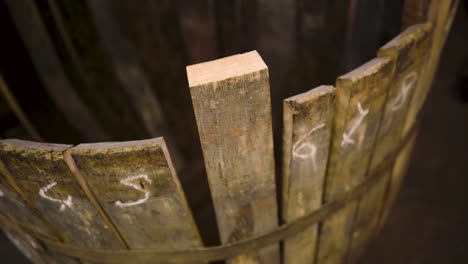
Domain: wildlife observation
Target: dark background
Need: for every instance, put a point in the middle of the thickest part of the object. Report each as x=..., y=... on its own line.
x=429, y=221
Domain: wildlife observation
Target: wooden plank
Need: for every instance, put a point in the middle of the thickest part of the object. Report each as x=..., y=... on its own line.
x=360, y=100
x=43, y=176
x=441, y=15
x=43, y=56
x=156, y=28
x=231, y=100
x=138, y=189
x=14, y=206
x=363, y=235
x=198, y=27
x=306, y=141
x=409, y=51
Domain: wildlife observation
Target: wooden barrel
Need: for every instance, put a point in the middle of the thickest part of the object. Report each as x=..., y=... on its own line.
x=246, y=161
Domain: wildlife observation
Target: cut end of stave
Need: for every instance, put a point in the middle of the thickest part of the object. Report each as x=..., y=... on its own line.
x=225, y=68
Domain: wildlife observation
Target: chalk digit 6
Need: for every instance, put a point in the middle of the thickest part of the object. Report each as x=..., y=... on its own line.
x=306, y=150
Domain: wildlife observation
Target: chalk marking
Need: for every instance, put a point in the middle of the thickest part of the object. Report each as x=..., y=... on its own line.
x=64, y=203
x=347, y=136
x=310, y=149
x=1, y=193
x=127, y=182
x=406, y=86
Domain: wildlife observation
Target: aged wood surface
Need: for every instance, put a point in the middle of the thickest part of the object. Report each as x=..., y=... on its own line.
x=369, y=207
x=399, y=171
x=15, y=207
x=43, y=176
x=360, y=101
x=441, y=14
x=156, y=28
x=47, y=64
x=136, y=185
x=231, y=99
x=409, y=50
x=306, y=141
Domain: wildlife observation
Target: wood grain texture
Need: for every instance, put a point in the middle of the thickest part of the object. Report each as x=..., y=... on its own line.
x=28, y=220
x=360, y=101
x=409, y=50
x=399, y=171
x=42, y=175
x=231, y=100
x=306, y=142
x=156, y=28
x=13, y=205
x=136, y=185
x=369, y=205
x=41, y=50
